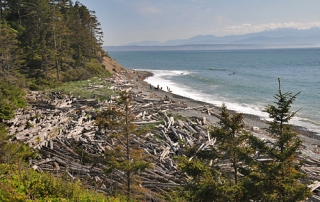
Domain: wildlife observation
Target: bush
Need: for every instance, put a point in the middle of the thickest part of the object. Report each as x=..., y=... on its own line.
x=21, y=184
x=12, y=98
x=40, y=84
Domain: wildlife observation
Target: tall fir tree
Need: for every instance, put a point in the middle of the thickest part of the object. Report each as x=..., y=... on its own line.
x=10, y=54
x=125, y=155
x=233, y=149
x=280, y=178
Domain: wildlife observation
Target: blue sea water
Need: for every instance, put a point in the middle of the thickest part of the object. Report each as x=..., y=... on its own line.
x=245, y=80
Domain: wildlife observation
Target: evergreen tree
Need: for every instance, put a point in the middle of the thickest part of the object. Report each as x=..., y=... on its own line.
x=203, y=182
x=11, y=98
x=214, y=173
x=10, y=54
x=125, y=155
x=233, y=150
x=279, y=179
x=55, y=35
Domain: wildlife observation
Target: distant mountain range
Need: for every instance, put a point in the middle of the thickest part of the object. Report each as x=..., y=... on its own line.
x=282, y=37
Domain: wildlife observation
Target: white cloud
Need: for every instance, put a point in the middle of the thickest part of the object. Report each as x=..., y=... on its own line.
x=248, y=28
x=147, y=10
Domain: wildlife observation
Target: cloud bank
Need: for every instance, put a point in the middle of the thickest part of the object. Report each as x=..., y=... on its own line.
x=250, y=28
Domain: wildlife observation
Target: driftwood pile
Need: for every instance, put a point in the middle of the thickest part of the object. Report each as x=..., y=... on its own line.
x=63, y=129
x=60, y=126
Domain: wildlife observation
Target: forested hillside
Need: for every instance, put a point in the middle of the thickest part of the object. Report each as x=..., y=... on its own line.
x=44, y=43
x=49, y=41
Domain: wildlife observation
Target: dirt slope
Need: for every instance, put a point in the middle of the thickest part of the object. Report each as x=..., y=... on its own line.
x=112, y=65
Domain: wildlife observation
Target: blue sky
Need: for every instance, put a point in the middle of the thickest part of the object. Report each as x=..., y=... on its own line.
x=126, y=21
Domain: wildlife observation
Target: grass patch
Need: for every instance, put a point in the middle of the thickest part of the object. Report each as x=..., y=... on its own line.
x=94, y=88
x=148, y=127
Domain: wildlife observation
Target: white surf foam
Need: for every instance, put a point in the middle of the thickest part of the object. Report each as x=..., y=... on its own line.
x=165, y=78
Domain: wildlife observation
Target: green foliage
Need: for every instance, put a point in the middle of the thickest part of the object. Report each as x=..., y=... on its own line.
x=22, y=184
x=232, y=146
x=148, y=127
x=12, y=98
x=13, y=152
x=96, y=68
x=82, y=89
x=40, y=84
x=53, y=40
x=280, y=178
x=231, y=170
x=215, y=173
x=124, y=156
x=10, y=54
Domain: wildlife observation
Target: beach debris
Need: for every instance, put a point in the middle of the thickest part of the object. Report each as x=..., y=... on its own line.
x=63, y=129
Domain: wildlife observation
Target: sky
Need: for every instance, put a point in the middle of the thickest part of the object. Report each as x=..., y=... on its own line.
x=126, y=21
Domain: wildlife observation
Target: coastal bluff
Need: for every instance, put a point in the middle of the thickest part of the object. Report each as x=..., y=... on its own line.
x=112, y=65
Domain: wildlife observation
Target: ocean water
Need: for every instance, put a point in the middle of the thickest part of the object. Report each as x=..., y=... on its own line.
x=245, y=80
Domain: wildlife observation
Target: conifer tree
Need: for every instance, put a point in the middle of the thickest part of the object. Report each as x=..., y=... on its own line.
x=10, y=55
x=125, y=155
x=55, y=35
x=233, y=149
x=215, y=172
x=279, y=179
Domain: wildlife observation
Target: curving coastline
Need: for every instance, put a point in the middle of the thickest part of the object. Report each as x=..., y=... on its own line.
x=252, y=121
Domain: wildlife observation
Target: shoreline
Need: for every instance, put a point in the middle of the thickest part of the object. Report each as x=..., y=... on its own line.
x=252, y=121
x=60, y=123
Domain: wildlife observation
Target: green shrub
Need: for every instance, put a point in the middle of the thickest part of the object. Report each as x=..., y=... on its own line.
x=13, y=152
x=22, y=184
x=12, y=98
x=41, y=84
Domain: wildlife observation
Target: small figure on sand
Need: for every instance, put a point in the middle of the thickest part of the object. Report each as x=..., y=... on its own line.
x=150, y=87
x=168, y=89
